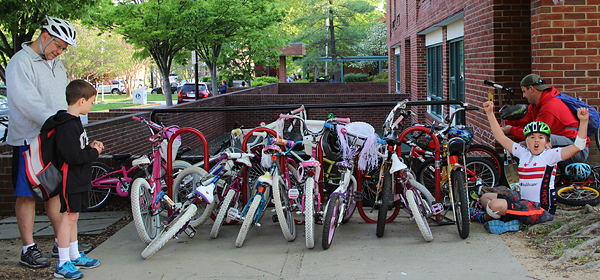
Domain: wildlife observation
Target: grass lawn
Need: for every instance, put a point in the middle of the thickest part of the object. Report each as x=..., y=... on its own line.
x=121, y=101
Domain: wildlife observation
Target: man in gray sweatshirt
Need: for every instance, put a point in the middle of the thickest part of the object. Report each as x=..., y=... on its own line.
x=36, y=83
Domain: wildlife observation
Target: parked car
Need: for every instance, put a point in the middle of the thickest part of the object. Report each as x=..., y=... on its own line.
x=3, y=103
x=158, y=90
x=187, y=92
x=115, y=87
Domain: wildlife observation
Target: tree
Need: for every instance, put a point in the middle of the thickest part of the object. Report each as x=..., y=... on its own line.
x=230, y=21
x=374, y=43
x=19, y=21
x=155, y=27
x=331, y=26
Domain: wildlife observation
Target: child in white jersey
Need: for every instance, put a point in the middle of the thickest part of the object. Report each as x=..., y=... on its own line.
x=537, y=169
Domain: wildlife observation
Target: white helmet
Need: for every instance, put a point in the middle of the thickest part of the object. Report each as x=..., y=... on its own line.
x=61, y=29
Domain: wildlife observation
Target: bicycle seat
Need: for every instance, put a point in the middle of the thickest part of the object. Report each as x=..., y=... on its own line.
x=121, y=157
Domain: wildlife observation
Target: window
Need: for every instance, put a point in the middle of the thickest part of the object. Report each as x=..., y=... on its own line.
x=398, y=73
x=434, y=78
x=457, y=74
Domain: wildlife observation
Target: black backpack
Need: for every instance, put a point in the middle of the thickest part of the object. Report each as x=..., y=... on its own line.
x=44, y=177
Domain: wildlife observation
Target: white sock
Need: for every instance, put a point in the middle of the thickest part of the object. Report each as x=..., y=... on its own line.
x=74, y=250
x=27, y=246
x=63, y=256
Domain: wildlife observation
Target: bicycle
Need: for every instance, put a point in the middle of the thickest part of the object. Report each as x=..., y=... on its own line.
x=310, y=208
x=147, y=191
x=107, y=181
x=182, y=220
x=275, y=183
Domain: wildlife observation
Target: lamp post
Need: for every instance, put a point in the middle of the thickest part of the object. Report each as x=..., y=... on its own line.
x=102, y=57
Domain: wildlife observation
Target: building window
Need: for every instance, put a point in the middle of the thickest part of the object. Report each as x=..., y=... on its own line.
x=398, y=73
x=456, y=73
x=434, y=78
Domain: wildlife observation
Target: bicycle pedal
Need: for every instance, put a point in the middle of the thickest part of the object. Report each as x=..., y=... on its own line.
x=190, y=231
x=275, y=219
x=437, y=208
x=358, y=196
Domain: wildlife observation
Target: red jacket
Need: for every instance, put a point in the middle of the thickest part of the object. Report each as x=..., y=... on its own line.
x=551, y=111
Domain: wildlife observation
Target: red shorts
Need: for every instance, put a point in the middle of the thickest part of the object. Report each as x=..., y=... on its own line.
x=528, y=212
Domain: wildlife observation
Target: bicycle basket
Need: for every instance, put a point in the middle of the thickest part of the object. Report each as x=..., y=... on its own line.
x=358, y=132
x=176, y=143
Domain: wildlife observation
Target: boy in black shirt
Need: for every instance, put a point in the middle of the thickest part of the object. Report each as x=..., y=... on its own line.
x=73, y=149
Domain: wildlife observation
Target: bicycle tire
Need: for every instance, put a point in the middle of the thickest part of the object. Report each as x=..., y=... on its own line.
x=461, y=203
x=174, y=227
x=184, y=184
x=426, y=176
x=490, y=154
x=350, y=202
x=99, y=197
x=248, y=221
x=283, y=208
x=369, y=187
x=485, y=170
x=227, y=203
x=309, y=212
x=385, y=197
x=578, y=196
x=141, y=210
x=330, y=221
x=418, y=216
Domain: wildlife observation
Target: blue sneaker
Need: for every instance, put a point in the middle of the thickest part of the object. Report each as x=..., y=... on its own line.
x=477, y=214
x=67, y=271
x=500, y=227
x=84, y=262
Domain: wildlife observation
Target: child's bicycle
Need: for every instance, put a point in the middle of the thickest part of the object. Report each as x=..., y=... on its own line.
x=149, y=189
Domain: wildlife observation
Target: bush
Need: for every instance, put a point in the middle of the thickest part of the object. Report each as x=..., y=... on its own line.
x=264, y=80
x=381, y=77
x=356, y=77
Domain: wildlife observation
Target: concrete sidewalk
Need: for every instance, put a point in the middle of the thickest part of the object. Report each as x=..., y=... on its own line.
x=355, y=254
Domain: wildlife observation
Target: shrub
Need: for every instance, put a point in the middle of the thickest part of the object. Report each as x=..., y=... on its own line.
x=264, y=80
x=381, y=77
x=356, y=77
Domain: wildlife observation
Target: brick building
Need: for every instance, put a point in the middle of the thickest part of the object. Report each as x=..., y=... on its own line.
x=444, y=49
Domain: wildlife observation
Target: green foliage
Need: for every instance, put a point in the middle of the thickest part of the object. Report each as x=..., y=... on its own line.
x=356, y=77
x=264, y=80
x=381, y=77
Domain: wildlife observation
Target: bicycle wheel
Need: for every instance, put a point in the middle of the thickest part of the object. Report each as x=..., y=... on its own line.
x=349, y=200
x=369, y=187
x=386, y=202
x=185, y=183
x=330, y=221
x=575, y=195
x=484, y=169
x=426, y=176
x=309, y=213
x=98, y=197
x=490, y=154
x=248, y=221
x=461, y=203
x=418, y=213
x=146, y=222
x=173, y=228
x=283, y=207
x=228, y=202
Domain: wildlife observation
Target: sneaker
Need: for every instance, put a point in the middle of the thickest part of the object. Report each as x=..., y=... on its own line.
x=500, y=227
x=84, y=262
x=67, y=271
x=83, y=248
x=33, y=258
x=477, y=214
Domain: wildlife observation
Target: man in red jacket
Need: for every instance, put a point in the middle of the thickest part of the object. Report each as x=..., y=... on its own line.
x=545, y=107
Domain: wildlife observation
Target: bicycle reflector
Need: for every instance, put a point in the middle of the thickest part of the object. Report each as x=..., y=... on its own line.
x=453, y=159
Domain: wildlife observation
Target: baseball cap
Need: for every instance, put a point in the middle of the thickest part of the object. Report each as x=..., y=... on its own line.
x=536, y=81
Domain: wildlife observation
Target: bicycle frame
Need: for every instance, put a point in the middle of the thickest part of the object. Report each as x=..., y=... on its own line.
x=110, y=181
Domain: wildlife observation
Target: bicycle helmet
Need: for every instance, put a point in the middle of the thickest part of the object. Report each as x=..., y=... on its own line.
x=578, y=171
x=330, y=146
x=536, y=126
x=455, y=132
x=513, y=113
x=61, y=29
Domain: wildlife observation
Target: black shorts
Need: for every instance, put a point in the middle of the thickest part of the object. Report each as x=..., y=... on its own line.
x=528, y=212
x=74, y=203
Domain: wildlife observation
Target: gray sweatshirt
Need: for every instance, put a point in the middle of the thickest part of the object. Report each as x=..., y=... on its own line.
x=35, y=92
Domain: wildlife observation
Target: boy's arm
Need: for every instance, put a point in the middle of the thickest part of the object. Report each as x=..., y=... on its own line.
x=569, y=151
x=69, y=146
x=506, y=142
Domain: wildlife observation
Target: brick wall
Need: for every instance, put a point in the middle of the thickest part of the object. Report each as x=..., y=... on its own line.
x=123, y=135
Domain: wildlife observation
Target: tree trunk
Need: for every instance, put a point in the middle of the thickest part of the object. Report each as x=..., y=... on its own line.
x=212, y=67
x=336, y=71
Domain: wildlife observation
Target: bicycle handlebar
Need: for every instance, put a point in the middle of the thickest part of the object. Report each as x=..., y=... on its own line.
x=498, y=86
x=298, y=110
